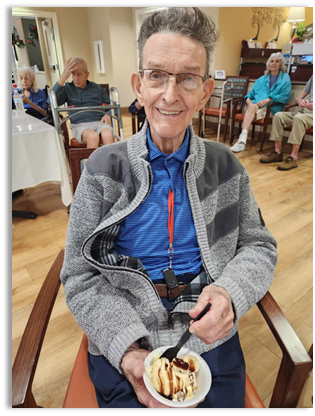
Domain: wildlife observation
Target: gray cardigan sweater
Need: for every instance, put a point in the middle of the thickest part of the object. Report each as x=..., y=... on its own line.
x=110, y=295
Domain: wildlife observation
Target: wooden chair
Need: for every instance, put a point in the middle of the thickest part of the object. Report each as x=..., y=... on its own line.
x=308, y=131
x=136, y=123
x=293, y=373
x=77, y=151
x=227, y=99
x=264, y=123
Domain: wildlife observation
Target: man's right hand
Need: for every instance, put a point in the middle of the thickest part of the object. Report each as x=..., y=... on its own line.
x=133, y=367
x=70, y=66
x=302, y=103
x=248, y=101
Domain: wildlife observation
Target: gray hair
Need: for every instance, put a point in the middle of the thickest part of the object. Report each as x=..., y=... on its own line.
x=186, y=21
x=277, y=55
x=29, y=71
x=81, y=61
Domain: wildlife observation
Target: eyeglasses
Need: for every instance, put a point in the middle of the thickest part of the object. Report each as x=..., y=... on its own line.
x=156, y=78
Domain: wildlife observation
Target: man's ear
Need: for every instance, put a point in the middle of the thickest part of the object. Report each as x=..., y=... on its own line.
x=87, y=74
x=207, y=91
x=136, y=86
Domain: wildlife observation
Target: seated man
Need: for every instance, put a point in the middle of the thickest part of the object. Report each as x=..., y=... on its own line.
x=274, y=86
x=136, y=107
x=300, y=122
x=89, y=127
x=166, y=206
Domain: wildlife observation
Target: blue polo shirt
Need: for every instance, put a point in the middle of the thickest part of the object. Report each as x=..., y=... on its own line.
x=144, y=234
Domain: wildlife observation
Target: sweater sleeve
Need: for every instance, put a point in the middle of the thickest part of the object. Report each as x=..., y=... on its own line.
x=252, y=94
x=61, y=94
x=283, y=93
x=248, y=276
x=103, y=313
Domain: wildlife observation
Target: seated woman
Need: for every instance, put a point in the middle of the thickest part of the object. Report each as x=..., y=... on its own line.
x=274, y=86
x=34, y=99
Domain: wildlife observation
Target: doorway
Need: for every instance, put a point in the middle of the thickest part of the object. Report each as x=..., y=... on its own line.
x=49, y=57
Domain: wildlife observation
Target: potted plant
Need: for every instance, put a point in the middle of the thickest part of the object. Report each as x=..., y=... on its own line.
x=300, y=32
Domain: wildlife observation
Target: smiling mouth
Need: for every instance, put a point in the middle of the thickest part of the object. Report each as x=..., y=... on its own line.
x=169, y=113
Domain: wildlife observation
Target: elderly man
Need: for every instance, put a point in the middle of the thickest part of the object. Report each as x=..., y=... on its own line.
x=300, y=122
x=163, y=223
x=90, y=127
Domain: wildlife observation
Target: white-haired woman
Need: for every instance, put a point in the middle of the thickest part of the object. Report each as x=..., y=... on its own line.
x=34, y=99
x=274, y=86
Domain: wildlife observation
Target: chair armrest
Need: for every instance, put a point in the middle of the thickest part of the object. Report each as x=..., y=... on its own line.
x=26, y=359
x=236, y=102
x=287, y=107
x=296, y=363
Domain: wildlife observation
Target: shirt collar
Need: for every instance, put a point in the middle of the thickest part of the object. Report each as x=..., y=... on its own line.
x=181, y=154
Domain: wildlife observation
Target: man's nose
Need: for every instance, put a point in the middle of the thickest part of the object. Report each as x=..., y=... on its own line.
x=171, y=90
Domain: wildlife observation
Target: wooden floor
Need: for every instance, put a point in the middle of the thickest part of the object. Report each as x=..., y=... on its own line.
x=286, y=201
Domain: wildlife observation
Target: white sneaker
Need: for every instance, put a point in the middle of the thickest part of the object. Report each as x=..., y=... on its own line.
x=239, y=146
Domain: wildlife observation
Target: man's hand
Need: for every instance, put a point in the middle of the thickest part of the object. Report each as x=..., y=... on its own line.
x=302, y=103
x=106, y=119
x=218, y=322
x=133, y=367
x=70, y=66
x=248, y=101
x=262, y=103
x=310, y=106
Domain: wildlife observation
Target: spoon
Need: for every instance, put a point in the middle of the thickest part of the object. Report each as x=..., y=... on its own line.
x=171, y=353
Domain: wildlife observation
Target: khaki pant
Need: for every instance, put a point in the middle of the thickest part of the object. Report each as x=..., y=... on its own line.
x=300, y=122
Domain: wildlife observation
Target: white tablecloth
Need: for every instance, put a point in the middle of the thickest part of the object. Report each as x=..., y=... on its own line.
x=38, y=156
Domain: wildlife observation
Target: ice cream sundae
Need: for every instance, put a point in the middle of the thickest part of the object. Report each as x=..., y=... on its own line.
x=176, y=380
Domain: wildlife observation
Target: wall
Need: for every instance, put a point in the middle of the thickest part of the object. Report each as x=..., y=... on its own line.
x=235, y=25
x=124, y=52
x=98, y=24
x=74, y=31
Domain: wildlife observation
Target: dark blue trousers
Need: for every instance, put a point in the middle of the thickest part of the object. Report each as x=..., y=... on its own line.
x=226, y=363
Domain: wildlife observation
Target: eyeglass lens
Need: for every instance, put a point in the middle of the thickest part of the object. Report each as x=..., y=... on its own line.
x=158, y=79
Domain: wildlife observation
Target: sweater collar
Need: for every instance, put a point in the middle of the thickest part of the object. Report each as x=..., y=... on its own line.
x=138, y=151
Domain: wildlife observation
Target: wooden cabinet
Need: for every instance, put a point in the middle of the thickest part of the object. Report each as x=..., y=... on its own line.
x=258, y=52
x=255, y=69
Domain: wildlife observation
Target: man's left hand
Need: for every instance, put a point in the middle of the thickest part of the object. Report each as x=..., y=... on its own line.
x=106, y=119
x=218, y=322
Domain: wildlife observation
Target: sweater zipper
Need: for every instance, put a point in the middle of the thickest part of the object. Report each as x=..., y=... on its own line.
x=121, y=220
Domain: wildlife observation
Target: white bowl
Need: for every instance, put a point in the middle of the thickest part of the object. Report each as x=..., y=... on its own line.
x=203, y=375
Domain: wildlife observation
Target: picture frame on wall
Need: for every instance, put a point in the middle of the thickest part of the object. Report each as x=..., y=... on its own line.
x=219, y=74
